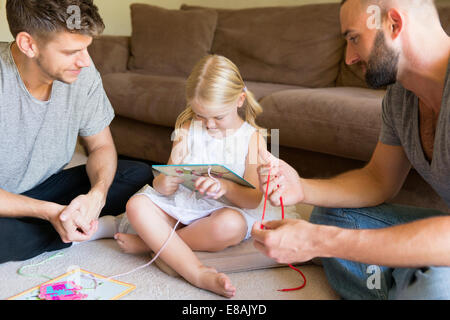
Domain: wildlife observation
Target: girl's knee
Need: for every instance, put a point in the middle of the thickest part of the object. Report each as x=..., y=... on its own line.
x=137, y=205
x=229, y=227
x=132, y=205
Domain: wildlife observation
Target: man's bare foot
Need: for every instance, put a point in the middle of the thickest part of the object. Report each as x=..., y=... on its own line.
x=216, y=282
x=131, y=243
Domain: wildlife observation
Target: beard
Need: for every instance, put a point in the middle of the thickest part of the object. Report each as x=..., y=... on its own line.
x=53, y=76
x=382, y=67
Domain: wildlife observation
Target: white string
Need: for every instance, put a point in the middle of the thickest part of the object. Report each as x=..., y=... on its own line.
x=216, y=181
x=154, y=258
x=168, y=239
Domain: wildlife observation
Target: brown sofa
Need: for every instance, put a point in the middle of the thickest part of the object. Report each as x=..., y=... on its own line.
x=292, y=59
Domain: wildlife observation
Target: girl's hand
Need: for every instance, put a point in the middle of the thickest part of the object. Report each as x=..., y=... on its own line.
x=211, y=188
x=169, y=185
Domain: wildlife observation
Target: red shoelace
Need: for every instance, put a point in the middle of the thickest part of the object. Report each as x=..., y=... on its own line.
x=282, y=217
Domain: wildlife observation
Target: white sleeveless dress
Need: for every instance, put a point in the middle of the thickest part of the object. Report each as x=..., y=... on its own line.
x=202, y=148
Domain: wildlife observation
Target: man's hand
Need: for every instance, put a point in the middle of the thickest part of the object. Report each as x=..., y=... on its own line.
x=69, y=230
x=83, y=212
x=284, y=180
x=287, y=241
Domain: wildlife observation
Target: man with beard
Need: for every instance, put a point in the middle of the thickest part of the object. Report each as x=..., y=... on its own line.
x=50, y=93
x=373, y=250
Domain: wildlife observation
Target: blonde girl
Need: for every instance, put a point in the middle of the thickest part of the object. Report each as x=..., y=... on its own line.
x=218, y=126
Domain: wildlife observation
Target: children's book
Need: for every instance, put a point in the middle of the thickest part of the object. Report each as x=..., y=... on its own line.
x=192, y=172
x=77, y=284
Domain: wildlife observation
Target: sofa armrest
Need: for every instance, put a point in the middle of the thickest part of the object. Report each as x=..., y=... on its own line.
x=110, y=53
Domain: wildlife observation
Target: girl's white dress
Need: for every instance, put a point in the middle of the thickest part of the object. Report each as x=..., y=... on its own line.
x=202, y=148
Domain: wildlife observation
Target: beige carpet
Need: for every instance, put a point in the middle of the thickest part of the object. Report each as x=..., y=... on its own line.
x=104, y=257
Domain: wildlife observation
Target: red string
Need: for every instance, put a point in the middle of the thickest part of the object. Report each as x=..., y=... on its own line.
x=282, y=217
x=265, y=200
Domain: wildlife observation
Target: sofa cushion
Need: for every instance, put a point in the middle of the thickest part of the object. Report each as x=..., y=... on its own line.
x=299, y=45
x=263, y=89
x=159, y=100
x=169, y=42
x=351, y=76
x=444, y=15
x=339, y=121
x=147, y=98
x=141, y=140
x=110, y=53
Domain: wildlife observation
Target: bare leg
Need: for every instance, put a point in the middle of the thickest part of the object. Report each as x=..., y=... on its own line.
x=223, y=228
x=154, y=231
x=132, y=243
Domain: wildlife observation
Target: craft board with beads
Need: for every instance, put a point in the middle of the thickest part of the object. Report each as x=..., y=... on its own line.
x=192, y=172
x=90, y=286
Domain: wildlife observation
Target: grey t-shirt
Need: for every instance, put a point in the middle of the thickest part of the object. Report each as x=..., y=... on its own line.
x=37, y=138
x=400, y=127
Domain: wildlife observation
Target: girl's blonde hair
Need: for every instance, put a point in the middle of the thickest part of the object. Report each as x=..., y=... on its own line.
x=216, y=81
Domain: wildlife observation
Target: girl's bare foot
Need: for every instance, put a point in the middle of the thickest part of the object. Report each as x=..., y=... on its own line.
x=131, y=243
x=216, y=282
x=207, y=278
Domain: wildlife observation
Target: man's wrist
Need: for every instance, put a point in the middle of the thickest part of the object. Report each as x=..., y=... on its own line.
x=99, y=193
x=301, y=195
x=47, y=210
x=330, y=241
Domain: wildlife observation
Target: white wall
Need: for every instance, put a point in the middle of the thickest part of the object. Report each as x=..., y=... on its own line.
x=122, y=26
x=116, y=13
x=4, y=30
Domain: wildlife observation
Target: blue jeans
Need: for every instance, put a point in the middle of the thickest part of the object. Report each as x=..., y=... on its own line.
x=25, y=238
x=354, y=280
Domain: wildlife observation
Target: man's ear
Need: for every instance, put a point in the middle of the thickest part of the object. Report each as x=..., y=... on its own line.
x=26, y=44
x=395, y=23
